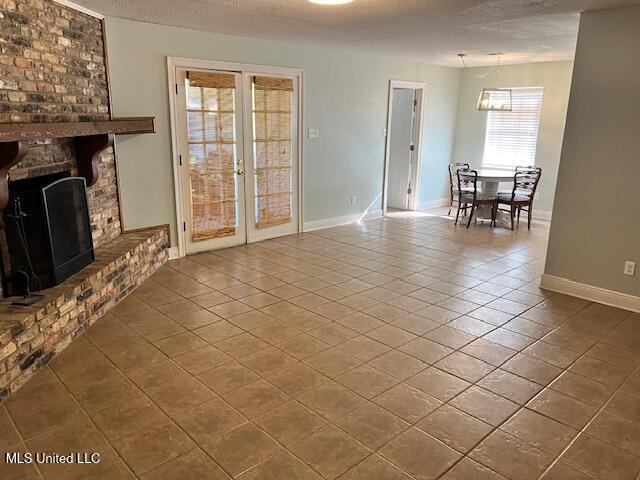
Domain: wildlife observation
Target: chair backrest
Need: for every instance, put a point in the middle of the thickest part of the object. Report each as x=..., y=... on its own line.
x=525, y=181
x=453, y=169
x=468, y=179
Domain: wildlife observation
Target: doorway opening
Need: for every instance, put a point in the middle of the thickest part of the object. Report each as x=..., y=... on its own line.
x=237, y=152
x=403, y=147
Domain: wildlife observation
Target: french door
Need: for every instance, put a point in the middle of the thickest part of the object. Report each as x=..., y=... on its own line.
x=237, y=143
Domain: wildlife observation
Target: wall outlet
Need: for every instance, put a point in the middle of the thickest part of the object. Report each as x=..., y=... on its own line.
x=314, y=133
x=353, y=199
x=630, y=268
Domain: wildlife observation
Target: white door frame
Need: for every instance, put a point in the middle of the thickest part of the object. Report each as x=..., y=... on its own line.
x=183, y=62
x=415, y=174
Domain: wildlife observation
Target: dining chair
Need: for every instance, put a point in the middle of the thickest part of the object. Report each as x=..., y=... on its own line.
x=453, y=182
x=468, y=194
x=522, y=194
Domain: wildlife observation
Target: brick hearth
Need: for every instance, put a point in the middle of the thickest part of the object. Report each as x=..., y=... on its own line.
x=31, y=336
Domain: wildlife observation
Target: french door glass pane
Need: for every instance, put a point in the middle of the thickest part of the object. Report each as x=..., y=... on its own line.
x=272, y=150
x=211, y=134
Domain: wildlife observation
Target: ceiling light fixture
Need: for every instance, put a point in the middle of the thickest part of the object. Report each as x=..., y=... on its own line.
x=331, y=2
x=495, y=99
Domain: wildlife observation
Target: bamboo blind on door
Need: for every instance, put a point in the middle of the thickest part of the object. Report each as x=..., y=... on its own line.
x=212, y=146
x=272, y=104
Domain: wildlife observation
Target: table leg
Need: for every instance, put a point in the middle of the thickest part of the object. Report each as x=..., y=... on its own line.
x=484, y=211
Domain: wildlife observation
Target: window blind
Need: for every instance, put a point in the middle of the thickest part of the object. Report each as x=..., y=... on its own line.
x=511, y=137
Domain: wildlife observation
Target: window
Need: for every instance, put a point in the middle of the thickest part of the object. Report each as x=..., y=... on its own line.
x=512, y=136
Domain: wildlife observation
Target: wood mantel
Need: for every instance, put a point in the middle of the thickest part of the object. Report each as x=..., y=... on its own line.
x=17, y=132
x=90, y=139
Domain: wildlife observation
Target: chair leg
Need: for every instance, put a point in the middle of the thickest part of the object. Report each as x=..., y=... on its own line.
x=473, y=207
x=529, y=214
x=513, y=214
x=519, y=210
x=494, y=214
x=458, y=213
x=450, y=206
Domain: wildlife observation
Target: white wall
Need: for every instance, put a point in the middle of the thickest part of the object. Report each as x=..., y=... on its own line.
x=346, y=98
x=555, y=77
x=596, y=221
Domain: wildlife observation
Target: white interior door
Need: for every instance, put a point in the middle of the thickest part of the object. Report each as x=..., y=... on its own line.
x=401, y=147
x=238, y=156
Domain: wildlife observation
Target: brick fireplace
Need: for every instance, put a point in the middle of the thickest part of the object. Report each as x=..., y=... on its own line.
x=53, y=70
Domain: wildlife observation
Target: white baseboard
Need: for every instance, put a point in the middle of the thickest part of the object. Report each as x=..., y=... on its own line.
x=589, y=292
x=337, y=221
x=174, y=253
x=438, y=202
x=542, y=214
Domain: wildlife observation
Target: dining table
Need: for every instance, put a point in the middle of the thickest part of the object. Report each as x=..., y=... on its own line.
x=490, y=180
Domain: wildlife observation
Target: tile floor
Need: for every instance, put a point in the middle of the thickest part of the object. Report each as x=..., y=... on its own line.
x=402, y=348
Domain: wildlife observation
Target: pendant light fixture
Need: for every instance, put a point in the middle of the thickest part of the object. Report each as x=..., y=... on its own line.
x=492, y=99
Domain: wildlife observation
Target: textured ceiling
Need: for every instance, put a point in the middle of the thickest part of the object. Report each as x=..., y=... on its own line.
x=425, y=30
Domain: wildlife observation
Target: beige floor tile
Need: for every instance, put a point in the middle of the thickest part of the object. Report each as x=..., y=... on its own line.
x=454, y=428
x=230, y=309
x=438, y=384
x=508, y=385
x=616, y=431
x=251, y=320
x=202, y=359
x=560, y=357
x=303, y=346
x=398, y=364
x=600, y=460
x=540, y=431
x=296, y=379
x=332, y=333
x=489, y=352
x=181, y=343
x=426, y=350
x=241, y=448
x=625, y=405
x=290, y=422
x=390, y=335
x=511, y=457
x=415, y=324
x=375, y=467
x=283, y=465
x=152, y=446
x=332, y=362
x=562, y=408
x=484, y=405
x=268, y=360
x=407, y=402
x=600, y=371
x=467, y=469
x=227, y=377
x=331, y=400
x=582, y=388
x=208, y=420
x=217, y=331
x=193, y=465
x=256, y=399
x=464, y=366
x=561, y=471
x=363, y=348
x=366, y=381
x=241, y=345
x=407, y=452
x=372, y=425
x=532, y=369
x=330, y=452
x=509, y=339
x=450, y=337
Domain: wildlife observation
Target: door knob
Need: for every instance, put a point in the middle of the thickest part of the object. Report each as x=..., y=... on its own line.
x=240, y=172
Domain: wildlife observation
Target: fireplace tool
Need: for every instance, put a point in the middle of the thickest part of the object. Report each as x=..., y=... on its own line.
x=32, y=282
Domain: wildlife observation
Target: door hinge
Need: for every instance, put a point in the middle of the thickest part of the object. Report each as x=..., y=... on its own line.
x=180, y=159
x=409, y=190
x=176, y=88
x=412, y=147
x=184, y=226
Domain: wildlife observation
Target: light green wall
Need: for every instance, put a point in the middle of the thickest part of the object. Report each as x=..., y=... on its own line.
x=596, y=221
x=555, y=77
x=345, y=97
